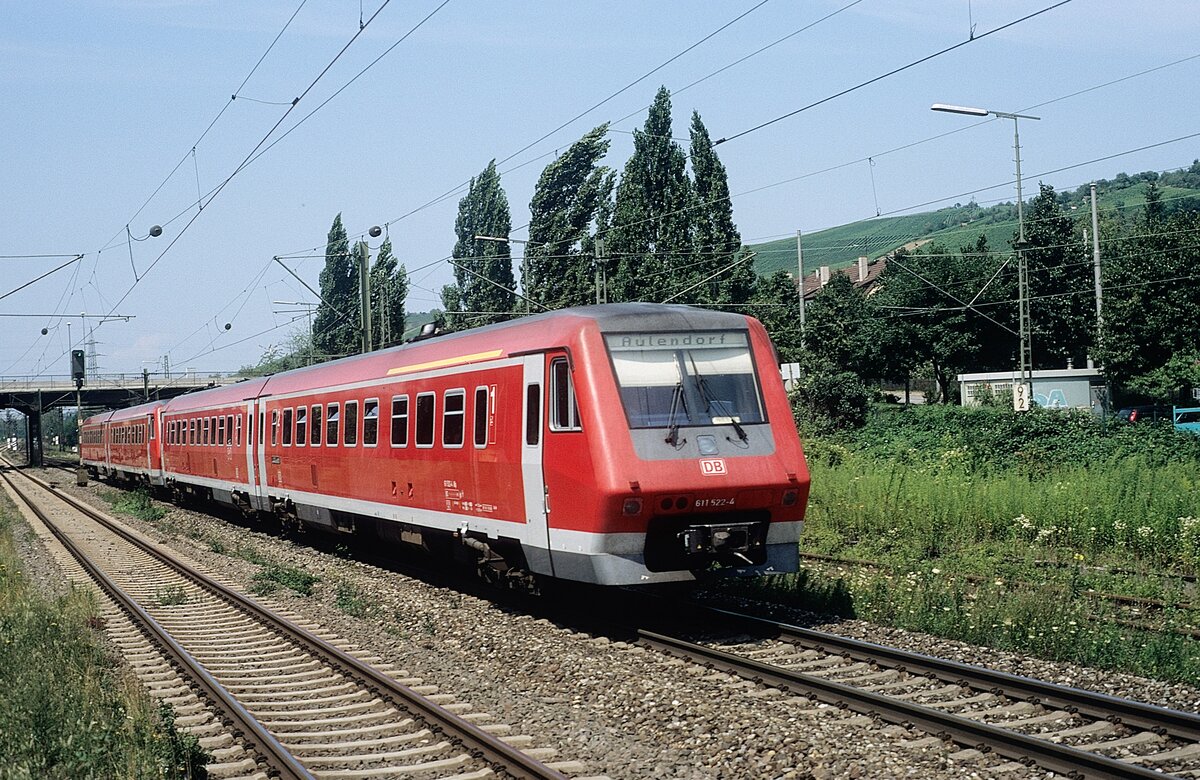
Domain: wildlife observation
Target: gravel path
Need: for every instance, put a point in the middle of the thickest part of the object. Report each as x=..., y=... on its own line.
x=621, y=711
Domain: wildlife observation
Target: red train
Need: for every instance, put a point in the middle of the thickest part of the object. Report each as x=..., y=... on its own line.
x=616, y=444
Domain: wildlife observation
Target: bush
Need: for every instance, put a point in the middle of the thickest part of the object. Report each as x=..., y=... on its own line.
x=827, y=399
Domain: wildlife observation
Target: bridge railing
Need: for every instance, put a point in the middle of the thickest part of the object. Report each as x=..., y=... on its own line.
x=117, y=381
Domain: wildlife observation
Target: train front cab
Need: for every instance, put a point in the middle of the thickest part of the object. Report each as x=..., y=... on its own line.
x=668, y=452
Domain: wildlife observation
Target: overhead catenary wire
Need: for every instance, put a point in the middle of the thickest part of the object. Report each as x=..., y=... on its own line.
x=217, y=191
x=892, y=72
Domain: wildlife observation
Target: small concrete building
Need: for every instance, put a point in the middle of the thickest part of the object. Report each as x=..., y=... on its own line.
x=1060, y=388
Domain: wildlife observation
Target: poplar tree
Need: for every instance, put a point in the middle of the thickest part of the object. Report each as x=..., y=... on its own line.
x=335, y=335
x=718, y=242
x=559, y=254
x=651, y=240
x=483, y=211
x=389, y=288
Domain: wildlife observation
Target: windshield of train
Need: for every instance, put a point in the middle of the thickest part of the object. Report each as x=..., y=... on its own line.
x=685, y=379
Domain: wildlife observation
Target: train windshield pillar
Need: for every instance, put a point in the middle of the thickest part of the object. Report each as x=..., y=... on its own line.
x=686, y=379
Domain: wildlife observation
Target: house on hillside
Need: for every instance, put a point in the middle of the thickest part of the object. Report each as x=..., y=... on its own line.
x=864, y=272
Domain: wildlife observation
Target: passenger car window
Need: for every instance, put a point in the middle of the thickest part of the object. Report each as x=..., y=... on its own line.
x=316, y=426
x=301, y=426
x=350, y=430
x=287, y=427
x=370, y=422
x=453, y=414
x=481, y=416
x=400, y=421
x=425, y=410
x=333, y=422
x=564, y=413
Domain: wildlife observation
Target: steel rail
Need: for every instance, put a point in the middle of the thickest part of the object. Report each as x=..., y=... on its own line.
x=279, y=760
x=479, y=743
x=1029, y=750
x=1148, y=717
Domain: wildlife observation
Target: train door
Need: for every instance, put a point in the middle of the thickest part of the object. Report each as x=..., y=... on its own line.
x=260, y=441
x=537, y=532
x=568, y=470
x=248, y=431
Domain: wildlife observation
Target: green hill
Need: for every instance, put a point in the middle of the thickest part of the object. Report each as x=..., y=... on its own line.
x=959, y=225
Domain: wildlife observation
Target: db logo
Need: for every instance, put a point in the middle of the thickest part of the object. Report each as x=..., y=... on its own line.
x=711, y=467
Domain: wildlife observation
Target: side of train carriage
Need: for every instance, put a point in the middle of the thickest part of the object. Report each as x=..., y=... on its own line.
x=615, y=444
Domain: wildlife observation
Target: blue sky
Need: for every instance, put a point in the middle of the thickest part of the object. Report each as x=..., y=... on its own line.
x=103, y=99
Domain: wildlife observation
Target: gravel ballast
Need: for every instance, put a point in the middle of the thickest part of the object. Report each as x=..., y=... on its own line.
x=620, y=710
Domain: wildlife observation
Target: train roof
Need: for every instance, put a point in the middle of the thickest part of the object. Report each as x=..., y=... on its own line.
x=527, y=334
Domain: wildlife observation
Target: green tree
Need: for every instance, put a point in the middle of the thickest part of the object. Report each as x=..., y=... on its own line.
x=564, y=206
x=389, y=288
x=650, y=242
x=777, y=307
x=717, y=240
x=337, y=330
x=483, y=211
x=840, y=328
x=1151, y=299
x=923, y=318
x=1061, y=308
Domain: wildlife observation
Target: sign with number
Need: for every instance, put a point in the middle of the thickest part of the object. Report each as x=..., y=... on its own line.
x=1021, y=397
x=1196, y=393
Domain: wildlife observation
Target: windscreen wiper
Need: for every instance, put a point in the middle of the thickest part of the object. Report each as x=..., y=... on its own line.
x=709, y=403
x=678, y=398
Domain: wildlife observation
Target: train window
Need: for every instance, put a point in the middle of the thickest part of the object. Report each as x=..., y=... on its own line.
x=399, y=421
x=453, y=413
x=301, y=426
x=221, y=431
x=370, y=422
x=350, y=429
x=315, y=439
x=481, y=416
x=229, y=429
x=332, y=424
x=192, y=432
x=262, y=427
x=274, y=427
x=533, y=414
x=425, y=410
x=287, y=427
x=205, y=430
x=564, y=411
x=150, y=425
x=686, y=379
x=237, y=442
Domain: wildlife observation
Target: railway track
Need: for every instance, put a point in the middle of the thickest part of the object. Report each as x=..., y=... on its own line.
x=1077, y=733
x=268, y=695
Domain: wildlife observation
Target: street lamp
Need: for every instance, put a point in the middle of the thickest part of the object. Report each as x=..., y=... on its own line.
x=1021, y=397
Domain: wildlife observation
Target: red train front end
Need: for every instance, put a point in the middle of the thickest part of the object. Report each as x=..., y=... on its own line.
x=689, y=459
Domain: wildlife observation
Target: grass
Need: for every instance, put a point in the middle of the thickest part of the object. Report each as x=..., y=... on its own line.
x=170, y=596
x=274, y=575
x=348, y=599
x=991, y=528
x=66, y=709
x=135, y=503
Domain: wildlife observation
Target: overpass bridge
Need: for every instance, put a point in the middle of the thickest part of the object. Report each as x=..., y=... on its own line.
x=33, y=395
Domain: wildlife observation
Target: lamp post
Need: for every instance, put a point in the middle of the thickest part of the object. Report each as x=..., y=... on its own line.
x=1022, y=393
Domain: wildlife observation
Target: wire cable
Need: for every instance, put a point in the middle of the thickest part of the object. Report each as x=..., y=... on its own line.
x=893, y=72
